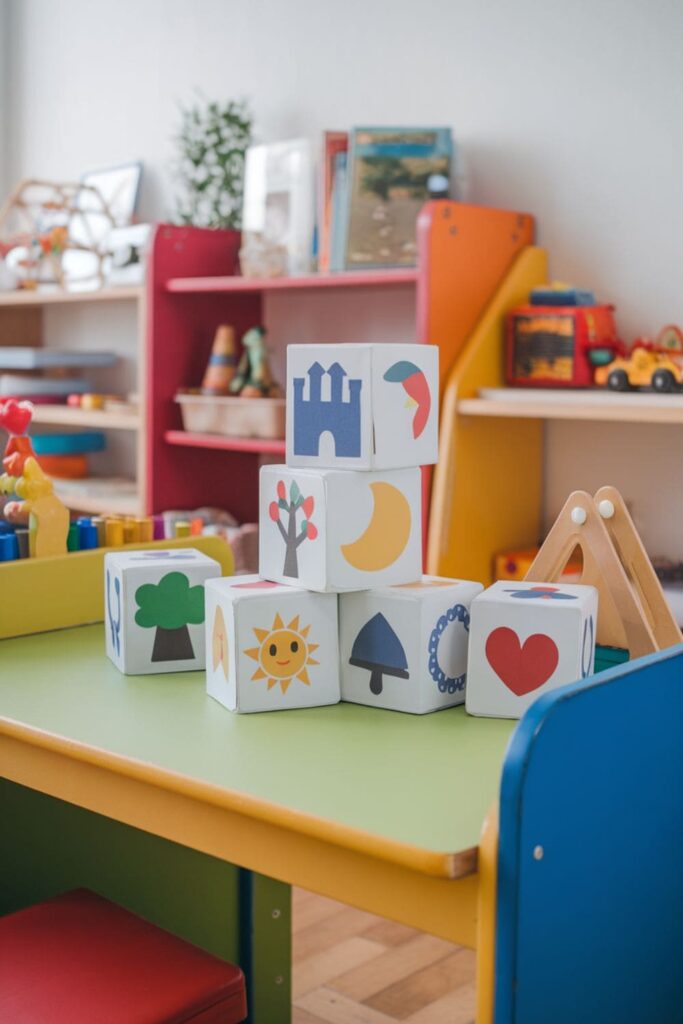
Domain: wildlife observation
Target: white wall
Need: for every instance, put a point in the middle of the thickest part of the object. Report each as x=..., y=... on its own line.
x=569, y=110
x=4, y=85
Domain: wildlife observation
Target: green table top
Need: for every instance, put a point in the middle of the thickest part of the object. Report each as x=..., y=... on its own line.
x=427, y=780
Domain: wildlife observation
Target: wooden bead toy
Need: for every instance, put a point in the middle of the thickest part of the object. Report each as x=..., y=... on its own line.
x=526, y=639
x=154, y=609
x=339, y=530
x=362, y=406
x=405, y=647
x=270, y=647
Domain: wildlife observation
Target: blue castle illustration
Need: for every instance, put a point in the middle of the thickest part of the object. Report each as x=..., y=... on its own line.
x=313, y=417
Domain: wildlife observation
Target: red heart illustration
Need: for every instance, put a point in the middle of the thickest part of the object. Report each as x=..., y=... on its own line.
x=522, y=667
x=15, y=416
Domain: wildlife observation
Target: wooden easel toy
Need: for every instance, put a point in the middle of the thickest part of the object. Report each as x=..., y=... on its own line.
x=48, y=518
x=634, y=613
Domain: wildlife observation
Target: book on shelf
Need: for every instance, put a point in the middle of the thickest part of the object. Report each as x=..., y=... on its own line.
x=371, y=185
x=334, y=145
x=338, y=226
x=391, y=173
x=278, y=215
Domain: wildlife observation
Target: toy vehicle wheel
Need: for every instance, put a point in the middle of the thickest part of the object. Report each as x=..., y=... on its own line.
x=663, y=380
x=617, y=380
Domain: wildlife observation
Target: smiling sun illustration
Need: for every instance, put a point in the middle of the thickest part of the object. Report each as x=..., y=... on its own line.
x=283, y=653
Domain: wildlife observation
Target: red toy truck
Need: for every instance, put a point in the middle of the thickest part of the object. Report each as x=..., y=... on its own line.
x=559, y=346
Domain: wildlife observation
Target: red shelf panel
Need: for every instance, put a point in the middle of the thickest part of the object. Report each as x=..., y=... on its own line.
x=229, y=444
x=346, y=279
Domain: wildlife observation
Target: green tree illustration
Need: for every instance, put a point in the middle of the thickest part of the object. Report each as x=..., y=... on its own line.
x=170, y=605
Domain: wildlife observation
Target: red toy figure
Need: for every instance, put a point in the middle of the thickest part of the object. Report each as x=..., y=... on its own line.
x=15, y=417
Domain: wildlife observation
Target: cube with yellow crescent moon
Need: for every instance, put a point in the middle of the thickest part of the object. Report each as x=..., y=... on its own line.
x=339, y=530
x=269, y=646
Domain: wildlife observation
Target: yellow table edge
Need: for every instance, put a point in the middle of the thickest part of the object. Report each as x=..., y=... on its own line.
x=438, y=864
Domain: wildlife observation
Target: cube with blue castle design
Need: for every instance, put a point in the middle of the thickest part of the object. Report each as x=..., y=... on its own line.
x=363, y=407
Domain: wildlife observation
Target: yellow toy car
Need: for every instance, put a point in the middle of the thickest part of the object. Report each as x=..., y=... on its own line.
x=657, y=365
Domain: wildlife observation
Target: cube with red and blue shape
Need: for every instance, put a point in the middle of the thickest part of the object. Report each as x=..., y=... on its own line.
x=362, y=406
x=526, y=639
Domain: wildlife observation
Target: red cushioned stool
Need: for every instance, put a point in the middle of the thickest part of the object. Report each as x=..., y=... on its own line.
x=79, y=959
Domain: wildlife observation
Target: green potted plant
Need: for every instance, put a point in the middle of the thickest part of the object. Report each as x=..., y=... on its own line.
x=213, y=140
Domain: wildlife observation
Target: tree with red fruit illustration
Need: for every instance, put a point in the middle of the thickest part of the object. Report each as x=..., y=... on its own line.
x=291, y=534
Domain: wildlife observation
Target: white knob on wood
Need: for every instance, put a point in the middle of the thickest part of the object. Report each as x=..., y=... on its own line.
x=606, y=508
x=579, y=515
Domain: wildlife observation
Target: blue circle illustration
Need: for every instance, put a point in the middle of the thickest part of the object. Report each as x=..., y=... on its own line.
x=446, y=684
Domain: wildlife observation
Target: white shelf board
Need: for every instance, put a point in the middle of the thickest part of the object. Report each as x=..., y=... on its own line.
x=566, y=404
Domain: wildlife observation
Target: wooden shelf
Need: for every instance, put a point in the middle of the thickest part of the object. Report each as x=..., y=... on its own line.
x=345, y=279
x=26, y=297
x=64, y=415
x=525, y=403
x=100, y=495
x=257, y=445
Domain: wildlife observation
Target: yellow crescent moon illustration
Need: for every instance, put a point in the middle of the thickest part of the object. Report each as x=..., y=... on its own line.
x=386, y=535
x=220, y=642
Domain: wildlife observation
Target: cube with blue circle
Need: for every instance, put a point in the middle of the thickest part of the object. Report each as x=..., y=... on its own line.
x=405, y=647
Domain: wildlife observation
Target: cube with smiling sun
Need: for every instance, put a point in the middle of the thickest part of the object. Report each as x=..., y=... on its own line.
x=269, y=646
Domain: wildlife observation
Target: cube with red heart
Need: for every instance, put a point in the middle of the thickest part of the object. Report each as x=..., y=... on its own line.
x=526, y=639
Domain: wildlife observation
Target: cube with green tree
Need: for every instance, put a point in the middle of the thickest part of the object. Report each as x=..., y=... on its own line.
x=154, y=609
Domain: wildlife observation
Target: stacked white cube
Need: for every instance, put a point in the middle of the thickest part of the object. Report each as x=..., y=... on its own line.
x=344, y=516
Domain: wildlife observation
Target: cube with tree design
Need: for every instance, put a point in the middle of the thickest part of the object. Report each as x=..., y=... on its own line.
x=336, y=530
x=154, y=609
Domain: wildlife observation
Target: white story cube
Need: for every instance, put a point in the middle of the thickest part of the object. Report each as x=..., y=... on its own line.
x=154, y=609
x=270, y=647
x=335, y=530
x=405, y=647
x=527, y=639
x=362, y=406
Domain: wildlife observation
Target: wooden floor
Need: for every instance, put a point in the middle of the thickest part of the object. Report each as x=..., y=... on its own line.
x=353, y=968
